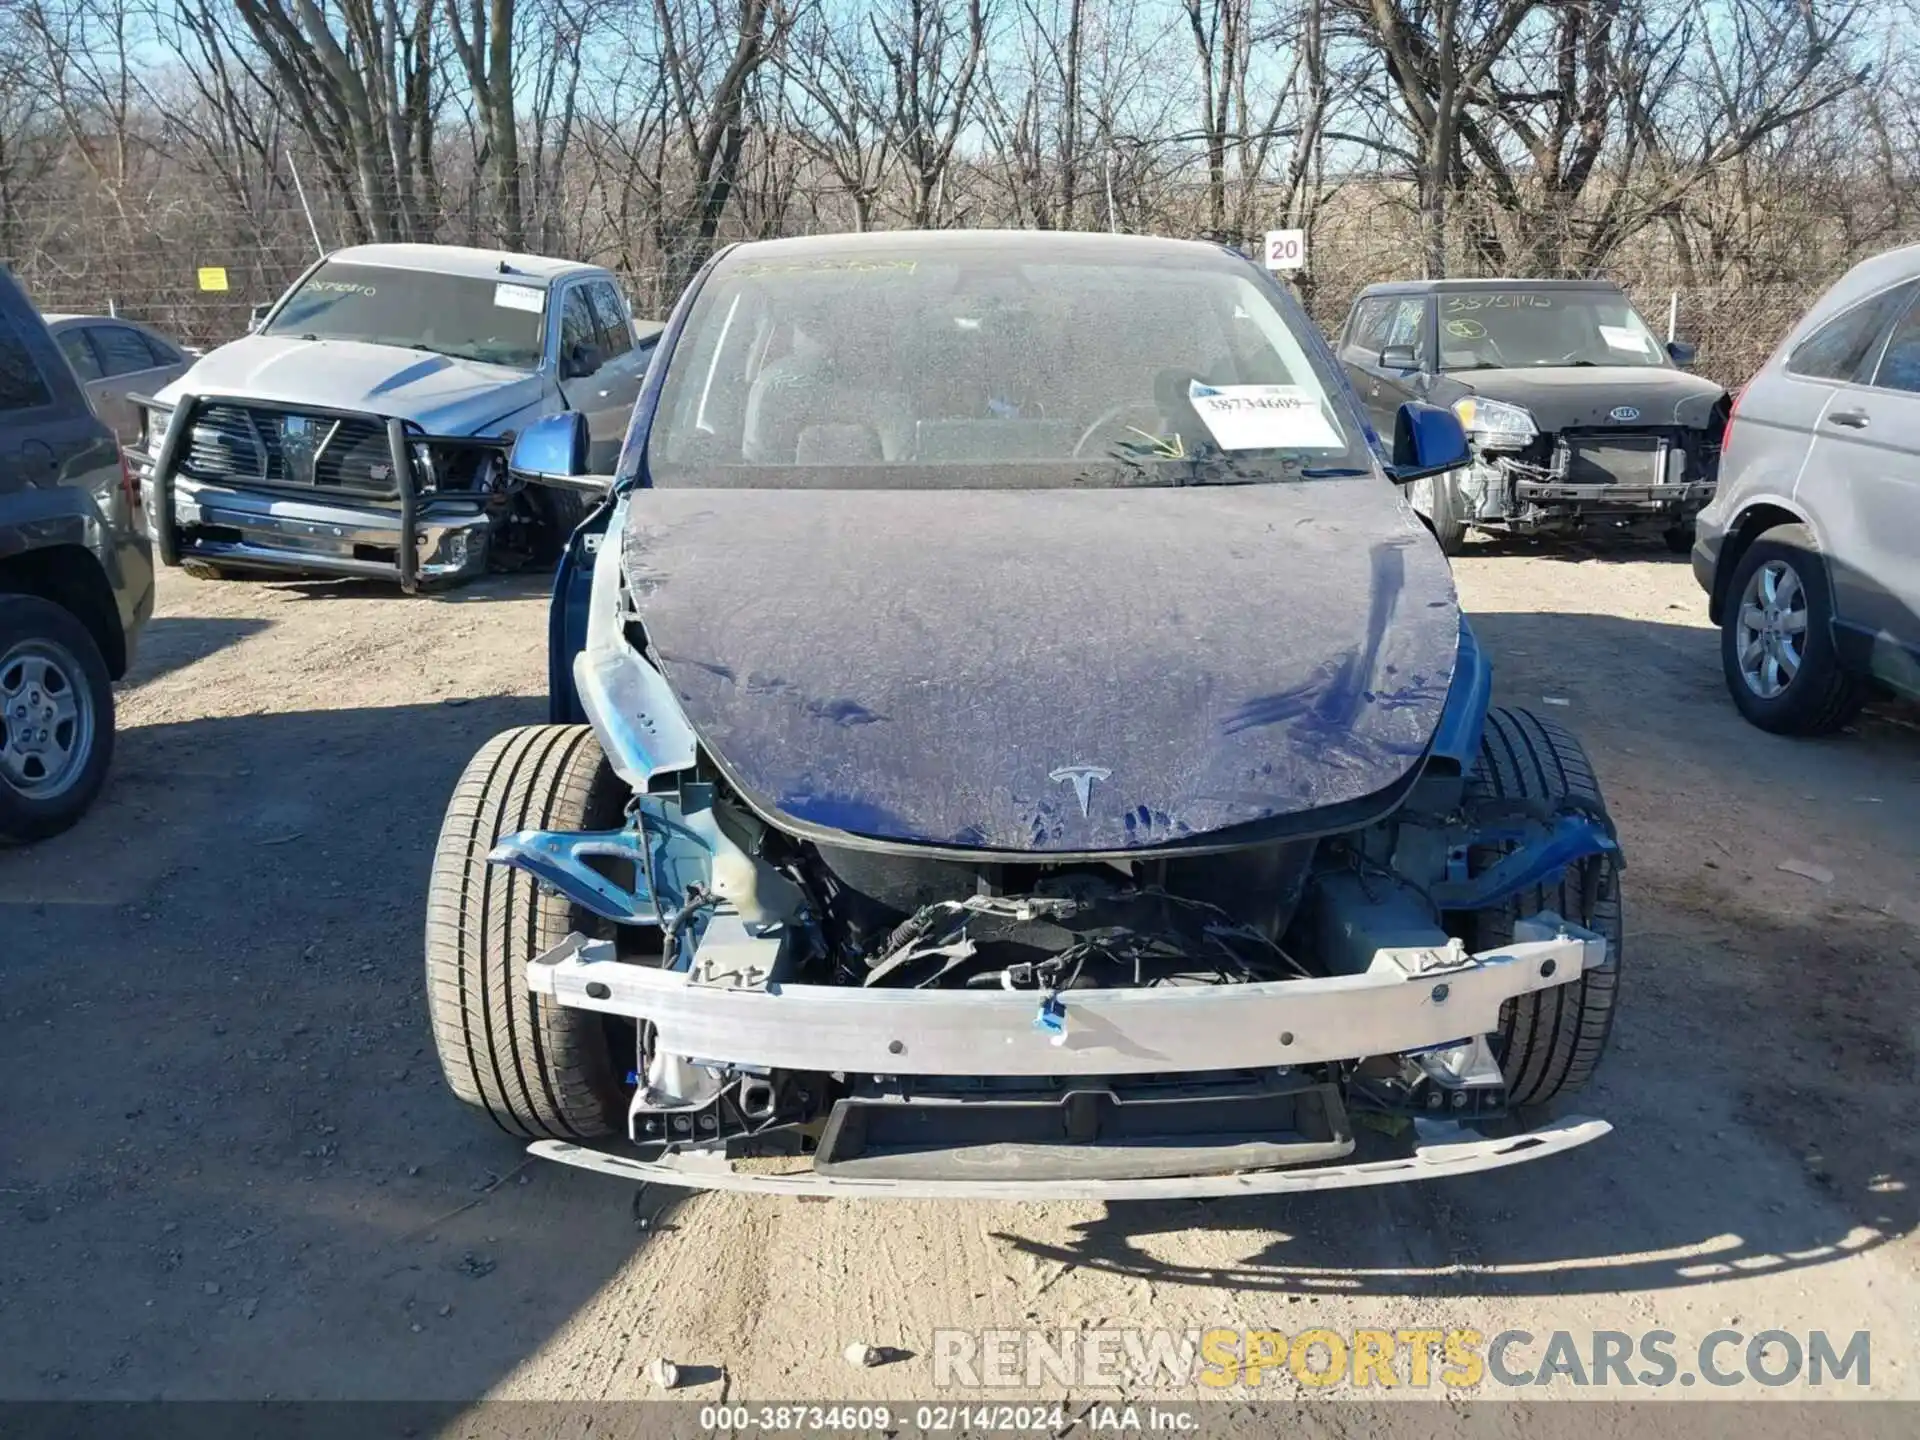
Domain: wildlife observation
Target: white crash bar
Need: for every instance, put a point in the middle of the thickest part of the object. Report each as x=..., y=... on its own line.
x=1407, y=1000
x=1453, y=1151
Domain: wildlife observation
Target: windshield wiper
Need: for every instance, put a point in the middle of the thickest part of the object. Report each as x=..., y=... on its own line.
x=1332, y=472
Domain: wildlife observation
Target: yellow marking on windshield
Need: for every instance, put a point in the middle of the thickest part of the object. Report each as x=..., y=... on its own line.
x=1167, y=447
x=822, y=267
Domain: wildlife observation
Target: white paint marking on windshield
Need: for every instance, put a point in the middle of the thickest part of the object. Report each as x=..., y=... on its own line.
x=700, y=422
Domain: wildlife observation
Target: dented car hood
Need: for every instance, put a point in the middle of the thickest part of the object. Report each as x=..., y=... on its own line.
x=1049, y=671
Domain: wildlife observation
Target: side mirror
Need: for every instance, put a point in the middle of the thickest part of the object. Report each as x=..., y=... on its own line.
x=1681, y=353
x=1399, y=357
x=580, y=361
x=553, y=451
x=258, y=317
x=1427, y=440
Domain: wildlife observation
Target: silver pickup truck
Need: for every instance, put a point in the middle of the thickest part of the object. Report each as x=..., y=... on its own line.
x=360, y=428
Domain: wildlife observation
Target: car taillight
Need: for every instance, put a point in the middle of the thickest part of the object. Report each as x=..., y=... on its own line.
x=1733, y=408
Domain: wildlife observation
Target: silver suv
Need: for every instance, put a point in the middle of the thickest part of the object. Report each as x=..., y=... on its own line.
x=1810, y=551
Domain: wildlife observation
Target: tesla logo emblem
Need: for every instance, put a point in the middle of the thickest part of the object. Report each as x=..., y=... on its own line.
x=1623, y=412
x=1081, y=777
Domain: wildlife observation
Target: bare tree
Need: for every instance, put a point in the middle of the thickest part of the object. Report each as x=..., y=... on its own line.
x=709, y=53
x=366, y=98
x=483, y=39
x=839, y=106
x=1437, y=55
x=934, y=52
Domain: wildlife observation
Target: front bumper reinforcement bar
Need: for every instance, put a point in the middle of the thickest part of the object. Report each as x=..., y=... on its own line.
x=1444, y=1150
x=1409, y=999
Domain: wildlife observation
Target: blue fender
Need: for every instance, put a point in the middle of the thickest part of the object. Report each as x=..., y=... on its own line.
x=567, y=615
x=1464, y=720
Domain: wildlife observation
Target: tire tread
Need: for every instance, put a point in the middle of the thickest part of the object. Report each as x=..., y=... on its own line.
x=1550, y=1040
x=536, y=1068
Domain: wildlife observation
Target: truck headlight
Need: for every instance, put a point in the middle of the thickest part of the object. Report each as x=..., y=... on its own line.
x=1495, y=424
x=424, y=469
x=154, y=422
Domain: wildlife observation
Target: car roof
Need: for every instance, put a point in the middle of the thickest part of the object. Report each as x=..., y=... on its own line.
x=1869, y=277
x=63, y=322
x=1455, y=287
x=463, y=260
x=1080, y=243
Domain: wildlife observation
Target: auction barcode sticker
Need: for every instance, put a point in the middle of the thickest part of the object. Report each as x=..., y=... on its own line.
x=520, y=297
x=1262, y=417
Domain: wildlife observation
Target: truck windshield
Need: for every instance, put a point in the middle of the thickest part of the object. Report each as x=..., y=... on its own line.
x=1508, y=329
x=963, y=363
x=498, y=322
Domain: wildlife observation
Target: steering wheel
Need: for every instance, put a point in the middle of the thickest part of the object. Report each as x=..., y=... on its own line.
x=1111, y=414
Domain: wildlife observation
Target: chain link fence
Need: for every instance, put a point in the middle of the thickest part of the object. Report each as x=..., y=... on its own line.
x=78, y=252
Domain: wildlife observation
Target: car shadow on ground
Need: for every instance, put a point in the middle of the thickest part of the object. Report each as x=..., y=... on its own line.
x=1721, y=1165
x=173, y=642
x=519, y=585
x=1573, y=549
x=241, y=1173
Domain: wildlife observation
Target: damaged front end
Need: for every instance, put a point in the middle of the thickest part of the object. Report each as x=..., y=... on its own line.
x=1223, y=1015
x=256, y=486
x=1529, y=476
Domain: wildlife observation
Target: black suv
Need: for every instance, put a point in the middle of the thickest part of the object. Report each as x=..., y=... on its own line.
x=1577, y=413
x=76, y=581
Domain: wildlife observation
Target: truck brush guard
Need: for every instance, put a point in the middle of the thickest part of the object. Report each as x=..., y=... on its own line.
x=338, y=515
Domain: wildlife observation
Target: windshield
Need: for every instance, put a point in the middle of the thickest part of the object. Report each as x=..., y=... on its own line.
x=497, y=321
x=1004, y=365
x=1507, y=329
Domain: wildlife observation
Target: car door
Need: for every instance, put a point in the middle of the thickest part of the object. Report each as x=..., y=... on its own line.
x=1865, y=465
x=130, y=364
x=584, y=377
x=626, y=360
x=1380, y=323
x=84, y=359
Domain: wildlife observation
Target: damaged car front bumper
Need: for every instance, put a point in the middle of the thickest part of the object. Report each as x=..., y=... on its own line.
x=1096, y=1093
x=1562, y=481
x=261, y=487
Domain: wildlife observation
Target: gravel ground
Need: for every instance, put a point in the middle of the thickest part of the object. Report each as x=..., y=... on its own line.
x=228, y=1168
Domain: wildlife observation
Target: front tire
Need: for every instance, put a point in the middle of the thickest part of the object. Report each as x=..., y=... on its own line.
x=560, y=514
x=535, y=1067
x=1776, y=639
x=1442, y=514
x=1549, y=1041
x=56, y=719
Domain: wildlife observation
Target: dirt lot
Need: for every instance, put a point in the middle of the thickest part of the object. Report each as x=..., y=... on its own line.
x=228, y=1167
